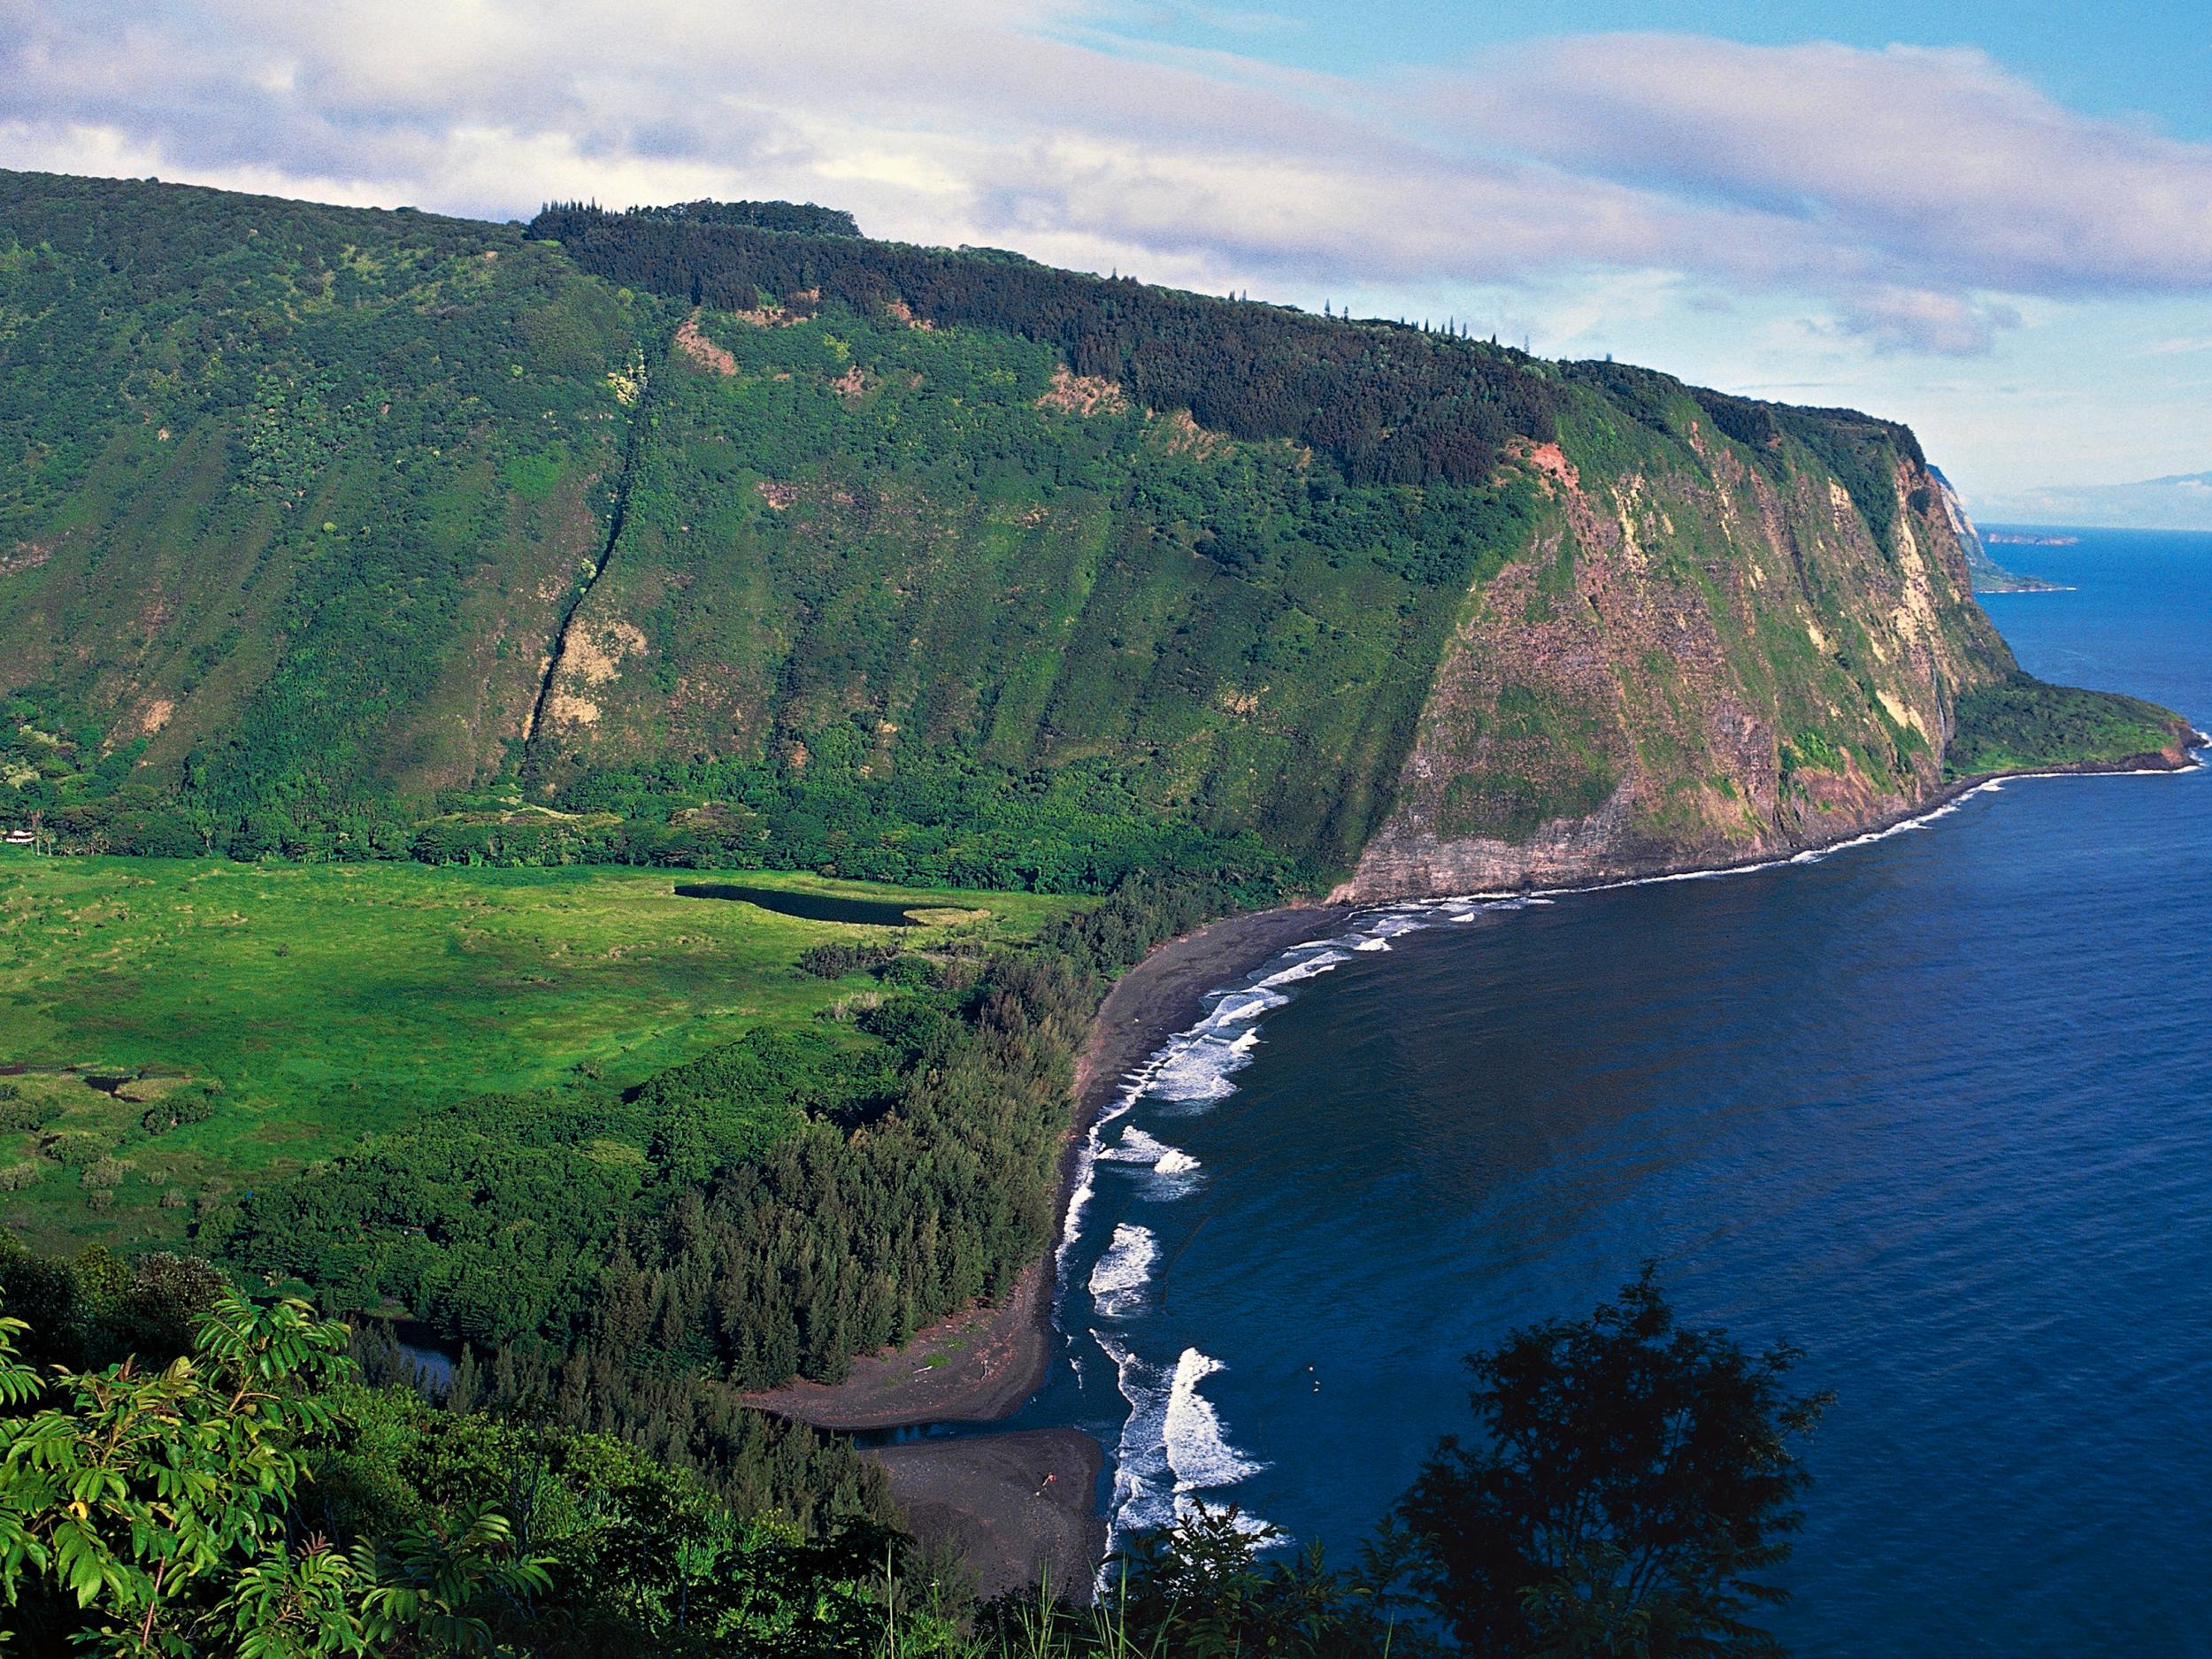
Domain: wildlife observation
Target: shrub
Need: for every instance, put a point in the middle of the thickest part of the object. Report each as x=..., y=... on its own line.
x=909, y=972
x=16, y=1176
x=74, y=1146
x=16, y=1113
x=102, y=1173
x=164, y=1116
x=835, y=961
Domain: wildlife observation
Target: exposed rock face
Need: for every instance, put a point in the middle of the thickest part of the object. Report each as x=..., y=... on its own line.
x=1699, y=659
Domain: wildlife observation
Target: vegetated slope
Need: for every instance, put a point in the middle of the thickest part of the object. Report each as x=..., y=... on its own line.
x=917, y=564
x=294, y=497
x=1737, y=630
x=856, y=546
x=1741, y=629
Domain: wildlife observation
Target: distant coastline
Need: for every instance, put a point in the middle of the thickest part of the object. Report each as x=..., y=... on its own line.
x=2014, y=538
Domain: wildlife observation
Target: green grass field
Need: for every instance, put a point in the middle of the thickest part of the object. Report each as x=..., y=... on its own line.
x=320, y=1002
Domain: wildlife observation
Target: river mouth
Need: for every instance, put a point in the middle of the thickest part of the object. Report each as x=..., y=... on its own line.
x=810, y=906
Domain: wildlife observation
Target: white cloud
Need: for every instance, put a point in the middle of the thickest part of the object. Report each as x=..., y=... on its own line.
x=1920, y=319
x=1912, y=195
x=1924, y=167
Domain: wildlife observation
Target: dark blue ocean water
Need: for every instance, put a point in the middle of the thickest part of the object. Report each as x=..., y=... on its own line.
x=1938, y=1109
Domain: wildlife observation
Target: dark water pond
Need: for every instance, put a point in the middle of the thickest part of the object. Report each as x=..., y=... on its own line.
x=813, y=907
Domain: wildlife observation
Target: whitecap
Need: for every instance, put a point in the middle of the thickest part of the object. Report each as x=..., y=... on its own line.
x=1196, y=1069
x=1306, y=967
x=1123, y=1276
x=1173, y=1166
x=1144, y=1484
x=1236, y=1008
x=1134, y=1147
x=1378, y=933
x=1172, y=1450
x=1198, y=1450
x=1086, y=1183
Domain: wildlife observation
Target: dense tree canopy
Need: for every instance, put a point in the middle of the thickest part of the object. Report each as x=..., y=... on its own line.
x=1390, y=403
x=1631, y=1477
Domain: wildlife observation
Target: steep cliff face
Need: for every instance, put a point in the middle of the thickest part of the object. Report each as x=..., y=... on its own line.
x=1709, y=651
x=690, y=537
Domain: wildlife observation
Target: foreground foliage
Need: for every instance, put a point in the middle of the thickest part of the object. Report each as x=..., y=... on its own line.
x=1630, y=1478
x=258, y=1496
x=158, y=1504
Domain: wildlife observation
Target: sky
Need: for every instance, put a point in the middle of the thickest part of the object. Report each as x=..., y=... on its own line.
x=1991, y=220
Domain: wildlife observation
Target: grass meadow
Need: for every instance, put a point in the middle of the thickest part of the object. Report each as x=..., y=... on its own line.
x=292, y=1008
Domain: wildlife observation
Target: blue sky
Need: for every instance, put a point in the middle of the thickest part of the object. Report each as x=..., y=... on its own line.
x=2151, y=61
x=1992, y=221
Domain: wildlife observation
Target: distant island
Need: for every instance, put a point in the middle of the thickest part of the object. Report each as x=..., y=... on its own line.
x=2010, y=538
x=2180, y=501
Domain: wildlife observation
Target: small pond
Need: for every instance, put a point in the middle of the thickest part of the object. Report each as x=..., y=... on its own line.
x=813, y=907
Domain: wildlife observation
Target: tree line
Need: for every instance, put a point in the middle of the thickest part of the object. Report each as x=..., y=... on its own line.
x=1390, y=403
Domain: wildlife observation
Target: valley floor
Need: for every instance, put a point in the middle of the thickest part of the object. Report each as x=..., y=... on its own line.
x=281, y=1012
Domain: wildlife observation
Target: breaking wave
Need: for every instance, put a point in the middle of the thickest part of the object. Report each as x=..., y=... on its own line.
x=1173, y=1449
x=1197, y=1450
x=1196, y=1068
x=1123, y=1277
x=1175, y=1169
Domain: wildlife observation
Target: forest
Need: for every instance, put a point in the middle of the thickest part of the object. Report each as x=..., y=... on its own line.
x=1390, y=403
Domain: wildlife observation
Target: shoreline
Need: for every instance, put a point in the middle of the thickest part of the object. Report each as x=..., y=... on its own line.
x=982, y=1366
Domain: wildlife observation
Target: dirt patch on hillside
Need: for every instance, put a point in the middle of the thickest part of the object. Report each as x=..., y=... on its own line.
x=28, y=556
x=1185, y=436
x=1084, y=395
x=561, y=708
x=597, y=657
x=1546, y=459
x=701, y=349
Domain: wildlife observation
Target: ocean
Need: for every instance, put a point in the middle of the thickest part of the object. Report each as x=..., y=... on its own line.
x=1936, y=1108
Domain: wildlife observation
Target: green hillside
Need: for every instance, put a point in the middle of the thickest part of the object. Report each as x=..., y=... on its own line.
x=722, y=535
x=293, y=495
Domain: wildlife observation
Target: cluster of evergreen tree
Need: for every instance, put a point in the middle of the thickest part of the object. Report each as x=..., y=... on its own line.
x=1390, y=403
x=802, y=218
